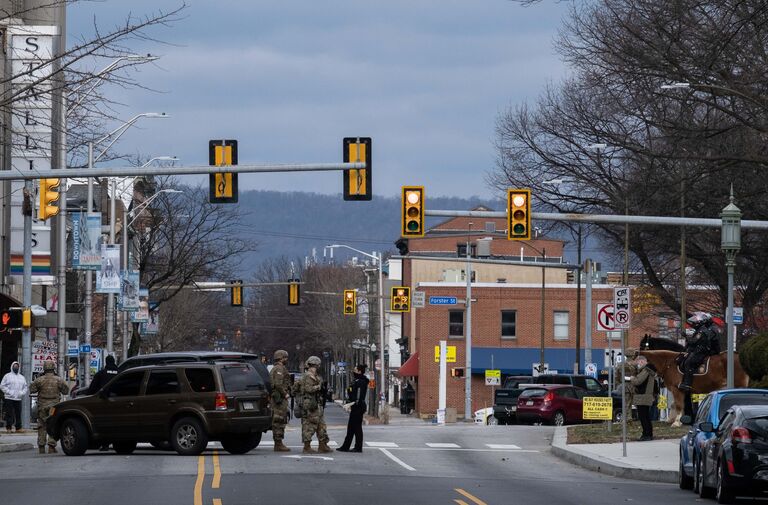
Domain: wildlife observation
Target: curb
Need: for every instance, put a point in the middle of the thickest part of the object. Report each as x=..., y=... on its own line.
x=16, y=447
x=596, y=464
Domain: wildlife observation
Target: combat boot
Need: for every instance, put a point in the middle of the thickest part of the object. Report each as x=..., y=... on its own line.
x=308, y=449
x=323, y=447
x=41, y=449
x=281, y=447
x=52, y=449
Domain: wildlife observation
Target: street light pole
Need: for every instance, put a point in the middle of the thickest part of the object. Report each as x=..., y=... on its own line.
x=730, y=243
x=468, y=333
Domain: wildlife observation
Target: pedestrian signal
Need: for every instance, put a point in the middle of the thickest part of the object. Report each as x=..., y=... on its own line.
x=49, y=196
x=519, y=214
x=236, y=293
x=222, y=186
x=412, y=212
x=457, y=372
x=400, y=299
x=350, y=302
x=294, y=292
x=11, y=319
x=357, y=181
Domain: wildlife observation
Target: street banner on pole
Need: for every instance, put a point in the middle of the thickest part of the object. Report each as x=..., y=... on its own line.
x=86, y=240
x=151, y=327
x=142, y=315
x=129, y=291
x=108, y=278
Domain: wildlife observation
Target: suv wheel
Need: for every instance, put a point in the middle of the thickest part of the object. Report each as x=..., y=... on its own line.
x=74, y=437
x=124, y=446
x=188, y=437
x=558, y=419
x=241, y=444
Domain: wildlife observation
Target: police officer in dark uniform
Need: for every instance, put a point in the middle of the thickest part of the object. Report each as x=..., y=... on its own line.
x=103, y=376
x=704, y=342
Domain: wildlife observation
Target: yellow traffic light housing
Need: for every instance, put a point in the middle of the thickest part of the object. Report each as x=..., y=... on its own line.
x=350, y=302
x=400, y=299
x=358, y=182
x=49, y=196
x=412, y=212
x=294, y=292
x=236, y=293
x=519, y=214
x=222, y=186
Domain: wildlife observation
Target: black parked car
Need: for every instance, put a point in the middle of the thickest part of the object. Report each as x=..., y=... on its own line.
x=184, y=404
x=735, y=460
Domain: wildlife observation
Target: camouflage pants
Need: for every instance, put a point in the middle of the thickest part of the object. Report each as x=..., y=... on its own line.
x=313, y=422
x=43, y=413
x=279, y=420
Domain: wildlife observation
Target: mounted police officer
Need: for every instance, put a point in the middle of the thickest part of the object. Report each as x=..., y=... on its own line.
x=704, y=342
x=281, y=391
x=312, y=420
x=49, y=389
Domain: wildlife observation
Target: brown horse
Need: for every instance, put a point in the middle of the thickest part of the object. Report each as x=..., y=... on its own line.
x=714, y=379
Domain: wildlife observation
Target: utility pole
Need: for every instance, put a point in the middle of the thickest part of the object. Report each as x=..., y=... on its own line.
x=111, y=296
x=26, y=335
x=468, y=332
x=577, y=368
x=61, y=220
x=88, y=282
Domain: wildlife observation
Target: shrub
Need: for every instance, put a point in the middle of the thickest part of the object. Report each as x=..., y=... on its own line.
x=753, y=357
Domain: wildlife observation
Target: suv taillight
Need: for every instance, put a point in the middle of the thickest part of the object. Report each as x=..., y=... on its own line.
x=221, y=401
x=549, y=397
x=741, y=435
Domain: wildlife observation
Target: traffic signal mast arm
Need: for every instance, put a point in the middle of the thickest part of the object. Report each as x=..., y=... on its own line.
x=10, y=175
x=602, y=218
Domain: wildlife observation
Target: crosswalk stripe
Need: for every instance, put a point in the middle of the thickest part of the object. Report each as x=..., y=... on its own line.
x=381, y=444
x=443, y=445
x=502, y=446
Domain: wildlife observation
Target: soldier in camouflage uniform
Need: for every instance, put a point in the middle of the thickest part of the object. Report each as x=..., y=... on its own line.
x=312, y=420
x=281, y=390
x=49, y=389
x=630, y=370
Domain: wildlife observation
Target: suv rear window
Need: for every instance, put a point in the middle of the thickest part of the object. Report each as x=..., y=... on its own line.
x=240, y=378
x=533, y=393
x=200, y=379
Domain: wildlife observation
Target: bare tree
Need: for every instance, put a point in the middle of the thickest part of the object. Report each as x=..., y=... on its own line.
x=668, y=151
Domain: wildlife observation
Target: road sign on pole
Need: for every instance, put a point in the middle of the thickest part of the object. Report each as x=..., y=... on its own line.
x=418, y=299
x=493, y=377
x=622, y=307
x=604, y=319
x=738, y=315
x=222, y=186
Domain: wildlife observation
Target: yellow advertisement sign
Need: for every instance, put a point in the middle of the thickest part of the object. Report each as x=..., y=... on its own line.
x=493, y=377
x=597, y=408
x=450, y=354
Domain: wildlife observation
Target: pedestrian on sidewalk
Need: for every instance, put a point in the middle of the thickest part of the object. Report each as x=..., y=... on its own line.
x=644, y=385
x=49, y=389
x=357, y=410
x=14, y=387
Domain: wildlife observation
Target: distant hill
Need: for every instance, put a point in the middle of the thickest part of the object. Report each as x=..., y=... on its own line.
x=291, y=224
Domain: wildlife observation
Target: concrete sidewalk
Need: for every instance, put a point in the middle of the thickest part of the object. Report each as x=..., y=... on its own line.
x=15, y=442
x=655, y=461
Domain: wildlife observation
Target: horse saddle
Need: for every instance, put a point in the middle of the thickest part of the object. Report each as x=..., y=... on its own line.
x=702, y=370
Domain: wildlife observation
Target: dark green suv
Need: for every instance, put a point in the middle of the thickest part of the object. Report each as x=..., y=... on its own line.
x=185, y=404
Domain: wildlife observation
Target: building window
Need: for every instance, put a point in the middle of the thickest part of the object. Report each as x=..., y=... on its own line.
x=508, y=319
x=455, y=323
x=490, y=226
x=561, y=325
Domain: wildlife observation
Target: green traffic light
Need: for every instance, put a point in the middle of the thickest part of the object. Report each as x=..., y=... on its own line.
x=413, y=226
x=519, y=229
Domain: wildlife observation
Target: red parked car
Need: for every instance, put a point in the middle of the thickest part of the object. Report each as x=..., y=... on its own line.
x=552, y=404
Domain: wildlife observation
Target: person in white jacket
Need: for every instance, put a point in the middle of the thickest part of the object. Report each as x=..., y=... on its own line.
x=14, y=387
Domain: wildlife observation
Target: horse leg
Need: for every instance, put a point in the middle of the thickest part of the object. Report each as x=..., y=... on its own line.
x=677, y=409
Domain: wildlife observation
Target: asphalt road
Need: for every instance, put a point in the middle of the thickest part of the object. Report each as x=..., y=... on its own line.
x=424, y=464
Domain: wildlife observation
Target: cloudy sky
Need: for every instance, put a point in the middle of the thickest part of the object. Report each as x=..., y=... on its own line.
x=425, y=78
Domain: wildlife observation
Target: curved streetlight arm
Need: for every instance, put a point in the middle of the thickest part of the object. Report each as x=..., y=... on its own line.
x=140, y=208
x=120, y=130
x=373, y=256
x=688, y=85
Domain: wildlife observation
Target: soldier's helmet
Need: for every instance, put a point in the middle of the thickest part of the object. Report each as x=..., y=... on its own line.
x=631, y=353
x=49, y=366
x=280, y=354
x=699, y=319
x=313, y=361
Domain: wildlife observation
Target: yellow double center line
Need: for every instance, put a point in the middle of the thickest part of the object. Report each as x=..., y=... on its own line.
x=215, y=483
x=469, y=496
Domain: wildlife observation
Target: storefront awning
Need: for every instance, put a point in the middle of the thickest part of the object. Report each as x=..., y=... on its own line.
x=411, y=366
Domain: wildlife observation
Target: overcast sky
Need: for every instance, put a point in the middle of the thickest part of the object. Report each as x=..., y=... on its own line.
x=289, y=79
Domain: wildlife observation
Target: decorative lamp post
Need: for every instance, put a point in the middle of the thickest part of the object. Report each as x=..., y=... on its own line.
x=730, y=243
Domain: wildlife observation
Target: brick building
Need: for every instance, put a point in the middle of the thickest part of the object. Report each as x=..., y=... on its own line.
x=506, y=311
